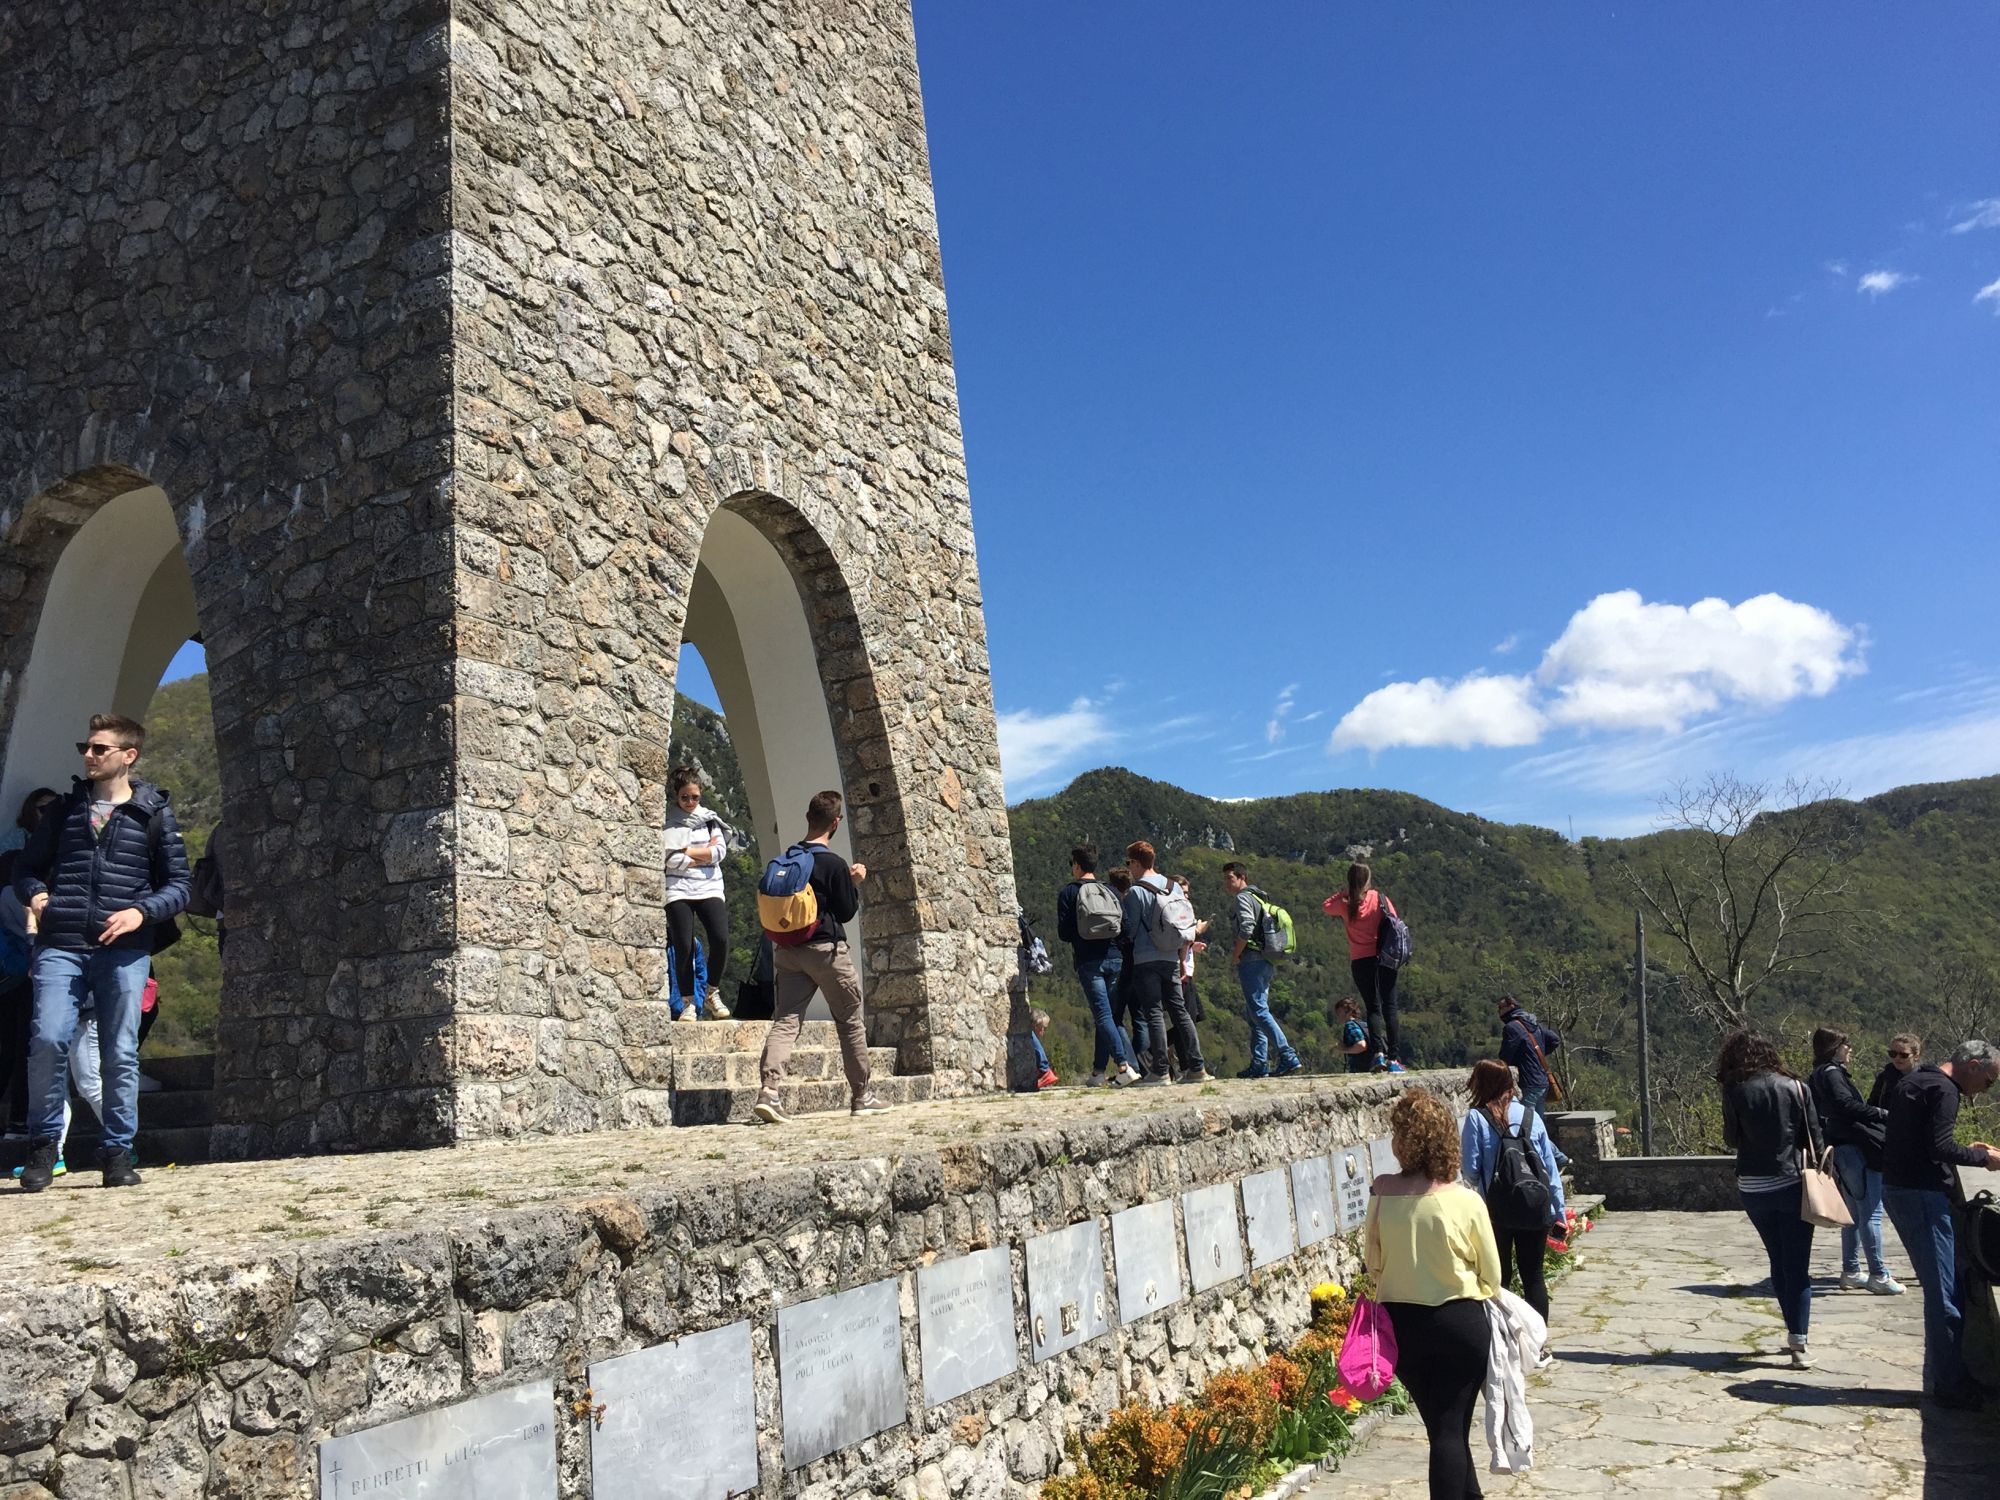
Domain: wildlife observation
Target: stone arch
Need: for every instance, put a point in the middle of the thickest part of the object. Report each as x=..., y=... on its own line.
x=106, y=599
x=780, y=626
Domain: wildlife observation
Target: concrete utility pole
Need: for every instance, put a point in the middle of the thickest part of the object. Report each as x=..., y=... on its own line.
x=1645, y=1036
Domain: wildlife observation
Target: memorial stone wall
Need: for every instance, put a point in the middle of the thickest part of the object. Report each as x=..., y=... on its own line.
x=929, y=1326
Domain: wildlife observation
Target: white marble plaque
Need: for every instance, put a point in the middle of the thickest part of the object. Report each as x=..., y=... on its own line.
x=840, y=1370
x=1066, y=1289
x=965, y=1323
x=1312, y=1199
x=1147, y=1251
x=1352, y=1183
x=1214, y=1236
x=1267, y=1205
x=680, y=1420
x=1382, y=1157
x=497, y=1447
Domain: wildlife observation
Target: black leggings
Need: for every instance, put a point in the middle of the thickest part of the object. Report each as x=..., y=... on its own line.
x=1529, y=1247
x=714, y=917
x=1377, y=988
x=1441, y=1358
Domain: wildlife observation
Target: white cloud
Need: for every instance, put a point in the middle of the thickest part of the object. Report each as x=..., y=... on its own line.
x=1836, y=268
x=1476, y=710
x=1984, y=214
x=1989, y=293
x=1876, y=283
x=1507, y=647
x=1622, y=664
x=1280, y=711
x=1034, y=746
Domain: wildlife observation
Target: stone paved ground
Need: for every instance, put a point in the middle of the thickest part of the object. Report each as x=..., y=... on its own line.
x=1669, y=1382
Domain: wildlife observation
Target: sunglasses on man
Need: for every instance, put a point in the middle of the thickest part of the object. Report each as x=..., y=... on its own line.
x=93, y=748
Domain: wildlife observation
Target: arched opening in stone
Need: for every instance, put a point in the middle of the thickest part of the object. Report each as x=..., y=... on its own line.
x=117, y=630
x=771, y=621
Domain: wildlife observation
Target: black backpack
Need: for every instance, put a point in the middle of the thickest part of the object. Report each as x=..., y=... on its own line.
x=1982, y=1235
x=1518, y=1198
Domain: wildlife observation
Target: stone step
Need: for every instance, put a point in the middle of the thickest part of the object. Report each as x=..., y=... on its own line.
x=732, y=1106
x=744, y=1036
x=193, y=1070
x=739, y=1069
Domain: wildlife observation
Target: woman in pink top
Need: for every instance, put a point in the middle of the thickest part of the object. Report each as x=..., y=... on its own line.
x=1359, y=908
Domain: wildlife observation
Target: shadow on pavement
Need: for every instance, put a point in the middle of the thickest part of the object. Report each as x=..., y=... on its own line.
x=1728, y=1289
x=1960, y=1457
x=1720, y=1361
x=1793, y=1393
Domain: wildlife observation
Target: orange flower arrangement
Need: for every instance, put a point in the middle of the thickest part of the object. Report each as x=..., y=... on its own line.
x=1243, y=1405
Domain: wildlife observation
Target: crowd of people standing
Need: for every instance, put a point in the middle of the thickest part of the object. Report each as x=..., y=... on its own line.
x=1133, y=938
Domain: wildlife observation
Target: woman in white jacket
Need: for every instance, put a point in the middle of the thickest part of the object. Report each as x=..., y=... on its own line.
x=697, y=840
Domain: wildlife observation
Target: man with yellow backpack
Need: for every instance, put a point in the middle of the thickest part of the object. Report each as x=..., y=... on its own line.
x=804, y=899
x=1263, y=932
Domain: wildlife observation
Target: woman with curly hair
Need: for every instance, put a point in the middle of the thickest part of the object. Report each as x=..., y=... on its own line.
x=1769, y=1119
x=1429, y=1245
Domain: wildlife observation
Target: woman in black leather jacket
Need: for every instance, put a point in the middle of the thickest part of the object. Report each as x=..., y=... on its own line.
x=1769, y=1119
x=1854, y=1128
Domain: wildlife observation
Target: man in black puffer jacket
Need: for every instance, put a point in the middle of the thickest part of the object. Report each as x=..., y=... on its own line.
x=103, y=870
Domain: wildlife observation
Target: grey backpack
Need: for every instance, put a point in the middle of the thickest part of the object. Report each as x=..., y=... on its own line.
x=1099, y=914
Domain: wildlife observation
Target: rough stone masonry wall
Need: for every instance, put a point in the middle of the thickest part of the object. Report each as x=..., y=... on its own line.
x=223, y=271
x=695, y=264
x=195, y=1377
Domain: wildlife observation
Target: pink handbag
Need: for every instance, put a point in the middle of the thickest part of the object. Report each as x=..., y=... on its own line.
x=1368, y=1353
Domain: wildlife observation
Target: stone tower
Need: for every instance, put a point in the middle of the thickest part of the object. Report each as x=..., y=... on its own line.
x=446, y=363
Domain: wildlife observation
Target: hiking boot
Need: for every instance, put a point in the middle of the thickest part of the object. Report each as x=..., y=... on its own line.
x=1286, y=1069
x=1852, y=1281
x=61, y=1170
x=768, y=1109
x=1255, y=1073
x=1126, y=1076
x=871, y=1104
x=117, y=1168
x=40, y=1168
x=1048, y=1080
x=1884, y=1285
x=713, y=1006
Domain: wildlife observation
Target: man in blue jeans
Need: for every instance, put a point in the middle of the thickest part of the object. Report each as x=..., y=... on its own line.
x=1253, y=973
x=1919, y=1156
x=1089, y=917
x=103, y=870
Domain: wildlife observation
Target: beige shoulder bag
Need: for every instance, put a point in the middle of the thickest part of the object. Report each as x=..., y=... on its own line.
x=1820, y=1201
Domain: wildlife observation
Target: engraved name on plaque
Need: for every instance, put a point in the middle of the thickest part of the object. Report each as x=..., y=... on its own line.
x=679, y=1422
x=840, y=1370
x=1214, y=1235
x=965, y=1323
x=1147, y=1251
x=1312, y=1199
x=1066, y=1304
x=1267, y=1206
x=497, y=1447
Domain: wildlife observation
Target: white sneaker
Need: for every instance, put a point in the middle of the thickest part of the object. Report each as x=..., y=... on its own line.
x=1800, y=1359
x=713, y=1006
x=688, y=1013
x=1127, y=1076
x=768, y=1109
x=1094, y=1081
x=1885, y=1286
x=1852, y=1281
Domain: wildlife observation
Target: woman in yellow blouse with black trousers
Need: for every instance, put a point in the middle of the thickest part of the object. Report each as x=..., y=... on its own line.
x=1429, y=1245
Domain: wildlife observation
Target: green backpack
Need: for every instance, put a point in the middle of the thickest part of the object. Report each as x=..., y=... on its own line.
x=1275, y=934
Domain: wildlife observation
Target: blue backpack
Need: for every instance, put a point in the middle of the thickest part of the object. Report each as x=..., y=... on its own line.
x=787, y=908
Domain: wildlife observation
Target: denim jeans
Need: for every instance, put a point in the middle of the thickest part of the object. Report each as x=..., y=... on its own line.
x=1097, y=976
x=1535, y=1101
x=1788, y=1242
x=1851, y=1165
x=112, y=982
x=1267, y=1037
x=1041, y=1055
x=1924, y=1225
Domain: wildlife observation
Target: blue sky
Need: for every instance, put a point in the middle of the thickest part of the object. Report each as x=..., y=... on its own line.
x=1367, y=395
x=1371, y=395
